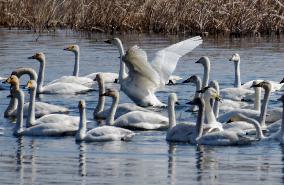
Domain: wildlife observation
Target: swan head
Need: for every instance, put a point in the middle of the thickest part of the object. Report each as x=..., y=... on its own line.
x=82, y=104
x=13, y=80
x=111, y=93
x=31, y=85
x=214, y=84
x=204, y=61
x=235, y=58
x=114, y=41
x=266, y=85
x=173, y=99
x=99, y=78
x=38, y=56
x=192, y=79
x=212, y=93
x=73, y=48
x=282, y=81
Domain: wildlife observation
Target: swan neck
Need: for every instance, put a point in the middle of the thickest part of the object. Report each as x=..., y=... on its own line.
x=208, y=111
x=101, y=102
x=13, y=104
x=110, y=119
x=76, y=66
x=28, y=71
x=216, y=108
x=264, y=108
x=206, y=74
x=237, y=83
x=200, y=121
x=41, y=74
x=172, y=115
x=20, y=111
x=257, y=98
x=81, y=133
x=31, y=109
x=122, y=68
x=198, y=87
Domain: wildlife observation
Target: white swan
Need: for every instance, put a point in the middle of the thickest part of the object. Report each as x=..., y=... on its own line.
x=255, y=114
x=109, y=77
x=45, y=129
x=230, y=137
x=144, y=79
x=58, y=87
x=275, y=86
x=100, y=113
x=183, y=132
x=135, y=120
x=103, y=133
x=197, y=81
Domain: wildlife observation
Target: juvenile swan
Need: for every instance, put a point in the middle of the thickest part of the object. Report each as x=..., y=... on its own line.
x=145, y=78
x=103, y=133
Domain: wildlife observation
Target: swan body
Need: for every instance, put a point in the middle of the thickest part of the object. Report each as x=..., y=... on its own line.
x=275, y=86
x=100, y=113
x=88, y=79
x=182, y=132
x=103, y=133
x=231, y=137
x=143, y=78
x=46, y=129
x=135, y=120
x=57, y=87
x=237, y=94
x=84, y=81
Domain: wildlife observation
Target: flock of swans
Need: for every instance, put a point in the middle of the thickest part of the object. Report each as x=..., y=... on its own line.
x=224, y=116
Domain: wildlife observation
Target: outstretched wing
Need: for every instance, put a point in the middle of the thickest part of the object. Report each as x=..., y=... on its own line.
x=165, y=60
x=137, y=63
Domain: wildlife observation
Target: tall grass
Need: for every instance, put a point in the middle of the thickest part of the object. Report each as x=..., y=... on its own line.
x=238, y=17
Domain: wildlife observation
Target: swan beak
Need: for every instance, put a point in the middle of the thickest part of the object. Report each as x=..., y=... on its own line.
x=32, y=57
x=7, y=81
x=197, y=62
x=108, y=41
x=255, y=85
x=218, y=98
x=177, y=103
x=282, y=81
x=186, y=81
x=104, y=94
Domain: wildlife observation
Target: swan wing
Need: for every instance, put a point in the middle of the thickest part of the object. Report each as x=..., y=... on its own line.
x=165, y=60
x=138, y=65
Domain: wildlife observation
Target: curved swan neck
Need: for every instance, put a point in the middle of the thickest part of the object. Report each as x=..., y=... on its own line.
x=77, y=64
x=198, y=87
x=215, y=103
x=122, y=70
x=110, y=119
x=237, y=82
x=81, y=133
x=101, y=102
x=206, y=74
x=31, y=110
x=13, y=104
x=20, y=111
x=28, y=71
x=171, y=112
x=264, y=107
x=41, y=74
x=257, y=98
x=200, y=120
x=210, y=116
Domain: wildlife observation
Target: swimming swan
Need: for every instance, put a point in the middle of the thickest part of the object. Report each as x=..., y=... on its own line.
x=123, y=108
x=102, y=133
x=135, y=120
x=45, y=129
x=41, y=108
x=58, y=87
x=275, y=86
x=143, y=78
x=109, y=77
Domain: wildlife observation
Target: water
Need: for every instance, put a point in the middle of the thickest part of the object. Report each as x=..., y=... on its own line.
x=148, y=159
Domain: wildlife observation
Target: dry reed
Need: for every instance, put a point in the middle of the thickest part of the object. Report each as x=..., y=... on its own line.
x=236, y=17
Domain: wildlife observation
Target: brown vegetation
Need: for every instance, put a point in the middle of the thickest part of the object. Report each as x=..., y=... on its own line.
x=160, y=16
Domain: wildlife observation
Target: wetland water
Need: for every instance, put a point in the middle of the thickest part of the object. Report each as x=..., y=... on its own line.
x=148, y=158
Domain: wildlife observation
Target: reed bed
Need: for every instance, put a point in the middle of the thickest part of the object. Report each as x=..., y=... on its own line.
x=234, y=17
